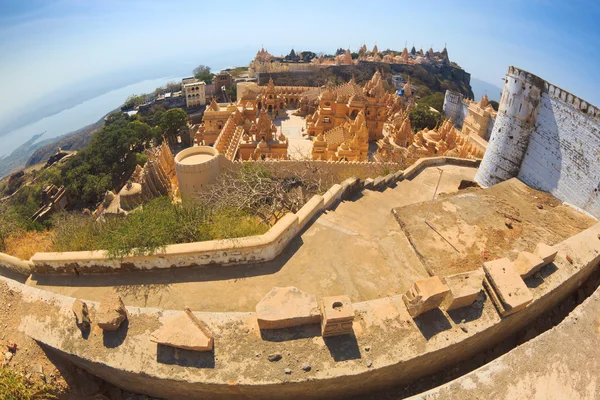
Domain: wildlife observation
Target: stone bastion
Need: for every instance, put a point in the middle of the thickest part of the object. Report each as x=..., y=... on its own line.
x=196, y=167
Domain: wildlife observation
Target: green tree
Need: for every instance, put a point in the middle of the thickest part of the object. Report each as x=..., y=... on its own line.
x=202, y=72
x=171, y=121
x=133, y=101
x=422, y=117
x=494, y=104
x=435, y=100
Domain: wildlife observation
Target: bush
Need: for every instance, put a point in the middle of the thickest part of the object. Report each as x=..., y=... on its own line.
x=157, y=224
x=435, y=100
x=422, y=117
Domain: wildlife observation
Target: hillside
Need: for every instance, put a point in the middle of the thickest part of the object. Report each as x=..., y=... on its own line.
x=426, y=79
x=73, y=141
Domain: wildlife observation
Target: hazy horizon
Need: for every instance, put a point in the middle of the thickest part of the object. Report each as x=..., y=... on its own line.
x=54, y=51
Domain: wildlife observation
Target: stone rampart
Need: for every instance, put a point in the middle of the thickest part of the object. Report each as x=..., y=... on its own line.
x=387, y=347
x=548, y=138
x=244, y=250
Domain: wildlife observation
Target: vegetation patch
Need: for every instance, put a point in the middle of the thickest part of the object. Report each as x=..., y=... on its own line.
x=156, y=224
x=14, y=386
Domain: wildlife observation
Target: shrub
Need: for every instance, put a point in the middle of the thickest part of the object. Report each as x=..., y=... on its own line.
x=13, y=386
x=155, y=225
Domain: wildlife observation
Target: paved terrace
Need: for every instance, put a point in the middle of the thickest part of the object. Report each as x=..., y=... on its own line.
x=357, y=249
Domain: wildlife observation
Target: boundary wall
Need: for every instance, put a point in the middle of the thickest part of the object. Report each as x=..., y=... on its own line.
x=251, y=249
x=422, y=346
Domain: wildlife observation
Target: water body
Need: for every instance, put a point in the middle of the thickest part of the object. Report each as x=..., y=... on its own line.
x=79, y=116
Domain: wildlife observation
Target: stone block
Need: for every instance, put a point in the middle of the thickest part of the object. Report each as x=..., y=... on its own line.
x=528, y=264
x=508, y=291
x=337, y=316
x=184, y=331
x=464, y=289
x=82, y=315
x=425, y=295
x=285, y=307
x=111, y=313
x=547, y=253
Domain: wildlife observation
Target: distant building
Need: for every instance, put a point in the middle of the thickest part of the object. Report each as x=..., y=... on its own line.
x=194, y=92
x=222, y=80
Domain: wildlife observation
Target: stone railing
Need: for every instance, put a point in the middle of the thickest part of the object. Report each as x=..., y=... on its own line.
x=252, y=249
x=365, y=361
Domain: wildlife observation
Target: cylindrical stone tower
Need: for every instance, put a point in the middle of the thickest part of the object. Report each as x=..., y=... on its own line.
x=513, y=127
x=196, y=167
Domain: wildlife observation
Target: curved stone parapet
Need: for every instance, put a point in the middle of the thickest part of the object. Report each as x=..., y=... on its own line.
x=387, y=346
x=15, y=264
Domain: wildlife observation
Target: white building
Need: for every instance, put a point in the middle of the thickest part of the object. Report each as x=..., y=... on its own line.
x=194, y=91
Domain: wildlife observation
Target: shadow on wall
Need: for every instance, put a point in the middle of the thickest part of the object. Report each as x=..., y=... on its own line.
x=541, y=166
x=285, y=334
x=432, y=322
x=114, y=339
x=10, y=274
x=184, y=358
x=343, y=347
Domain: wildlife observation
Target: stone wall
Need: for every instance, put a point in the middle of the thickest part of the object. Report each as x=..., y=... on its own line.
x=563, y=156
x=455, y=108
x=252, y=249
x=15, y=265
x=238, y=366
x=548, y=138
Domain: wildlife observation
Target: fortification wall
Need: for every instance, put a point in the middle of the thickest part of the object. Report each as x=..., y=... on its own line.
x=455, y=108
x=193, y=176
x=548, y=138
x=563, y=156
x=252, y=249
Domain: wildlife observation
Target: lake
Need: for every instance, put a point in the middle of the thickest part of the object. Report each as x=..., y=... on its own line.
x=79, y=116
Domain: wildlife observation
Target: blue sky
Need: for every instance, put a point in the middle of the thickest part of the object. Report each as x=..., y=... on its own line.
x=49, y=46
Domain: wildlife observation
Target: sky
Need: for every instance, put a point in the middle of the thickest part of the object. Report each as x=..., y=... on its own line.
x=61, y=46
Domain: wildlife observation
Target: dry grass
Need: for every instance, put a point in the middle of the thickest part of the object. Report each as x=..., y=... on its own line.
x=14, y=386
x=26, y=243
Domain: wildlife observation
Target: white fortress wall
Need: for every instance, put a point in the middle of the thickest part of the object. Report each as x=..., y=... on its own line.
x=563, y=156
x=455, y=108
x=548, y=138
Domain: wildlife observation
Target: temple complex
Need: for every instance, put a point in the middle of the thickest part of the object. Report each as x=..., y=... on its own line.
x=243, y=131
x=477, y=120
x=271, y=98
x=264, y=62
x=338, y=104
x=347, y=142
x=445, y=140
